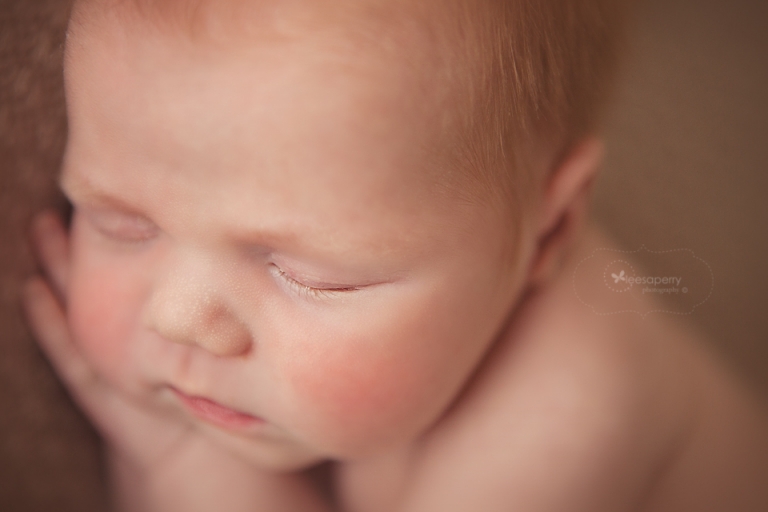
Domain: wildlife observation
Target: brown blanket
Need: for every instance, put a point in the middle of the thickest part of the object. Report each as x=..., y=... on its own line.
x=49, y=457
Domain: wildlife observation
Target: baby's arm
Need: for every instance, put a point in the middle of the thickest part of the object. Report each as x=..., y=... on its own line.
x=206, y=478
x=156, y=463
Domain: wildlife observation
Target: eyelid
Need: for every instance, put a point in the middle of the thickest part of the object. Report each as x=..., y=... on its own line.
x=314, y=291
x=121, y=226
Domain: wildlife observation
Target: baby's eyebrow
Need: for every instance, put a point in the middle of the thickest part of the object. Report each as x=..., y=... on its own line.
x=297, y=238
x=265, y=237
x=81, y=188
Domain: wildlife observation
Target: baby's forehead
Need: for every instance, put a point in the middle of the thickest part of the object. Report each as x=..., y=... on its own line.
x=153, y=92
x=397, y=44
x=386, y=26
x=397, y=38
x=416, y=53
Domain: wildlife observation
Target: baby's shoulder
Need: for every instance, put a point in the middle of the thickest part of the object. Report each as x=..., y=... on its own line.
x=573, y=411
x=568, y=411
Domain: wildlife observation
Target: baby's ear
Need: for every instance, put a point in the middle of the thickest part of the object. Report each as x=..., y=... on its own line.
x=565, y=204
x=571, y=176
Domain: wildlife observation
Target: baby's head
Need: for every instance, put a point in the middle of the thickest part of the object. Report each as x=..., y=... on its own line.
x=320, y=213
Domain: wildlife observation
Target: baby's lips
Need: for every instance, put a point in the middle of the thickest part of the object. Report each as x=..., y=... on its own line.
x=216, y=413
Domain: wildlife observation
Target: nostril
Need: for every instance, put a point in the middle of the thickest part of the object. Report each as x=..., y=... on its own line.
x=204, y=322
x=228, y=339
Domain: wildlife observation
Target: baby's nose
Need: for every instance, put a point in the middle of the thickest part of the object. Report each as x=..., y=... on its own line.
x=187, y=312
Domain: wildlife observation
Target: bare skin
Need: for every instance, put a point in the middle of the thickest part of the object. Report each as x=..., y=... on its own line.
x=571, y=411
x=615, y=414
x=243, y=232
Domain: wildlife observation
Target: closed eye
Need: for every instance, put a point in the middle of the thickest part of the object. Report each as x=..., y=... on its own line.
x=312, y=291
x=121, y=227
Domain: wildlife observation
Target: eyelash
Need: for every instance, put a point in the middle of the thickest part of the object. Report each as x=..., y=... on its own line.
x=316, y=293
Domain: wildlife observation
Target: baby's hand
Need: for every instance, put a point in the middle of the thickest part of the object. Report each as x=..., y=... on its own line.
x=142, y=435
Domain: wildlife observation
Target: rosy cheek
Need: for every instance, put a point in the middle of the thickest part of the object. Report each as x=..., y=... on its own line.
x=102, y=308
x=357, y=399
x=98, y=323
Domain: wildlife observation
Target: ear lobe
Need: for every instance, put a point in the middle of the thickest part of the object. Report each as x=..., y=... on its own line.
x=567, y=180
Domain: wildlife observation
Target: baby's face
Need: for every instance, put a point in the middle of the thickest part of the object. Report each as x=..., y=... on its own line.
x=265, y=228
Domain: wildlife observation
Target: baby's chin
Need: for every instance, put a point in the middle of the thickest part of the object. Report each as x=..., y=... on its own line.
x=273, y=454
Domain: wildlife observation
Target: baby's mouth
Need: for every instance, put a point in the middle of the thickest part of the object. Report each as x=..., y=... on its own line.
x=215, y=413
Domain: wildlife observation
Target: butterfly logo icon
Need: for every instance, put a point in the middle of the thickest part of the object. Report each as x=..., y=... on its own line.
x=620, y=277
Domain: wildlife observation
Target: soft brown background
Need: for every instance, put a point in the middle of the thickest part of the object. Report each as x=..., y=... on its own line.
x=688, y=155
x=688, y=158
